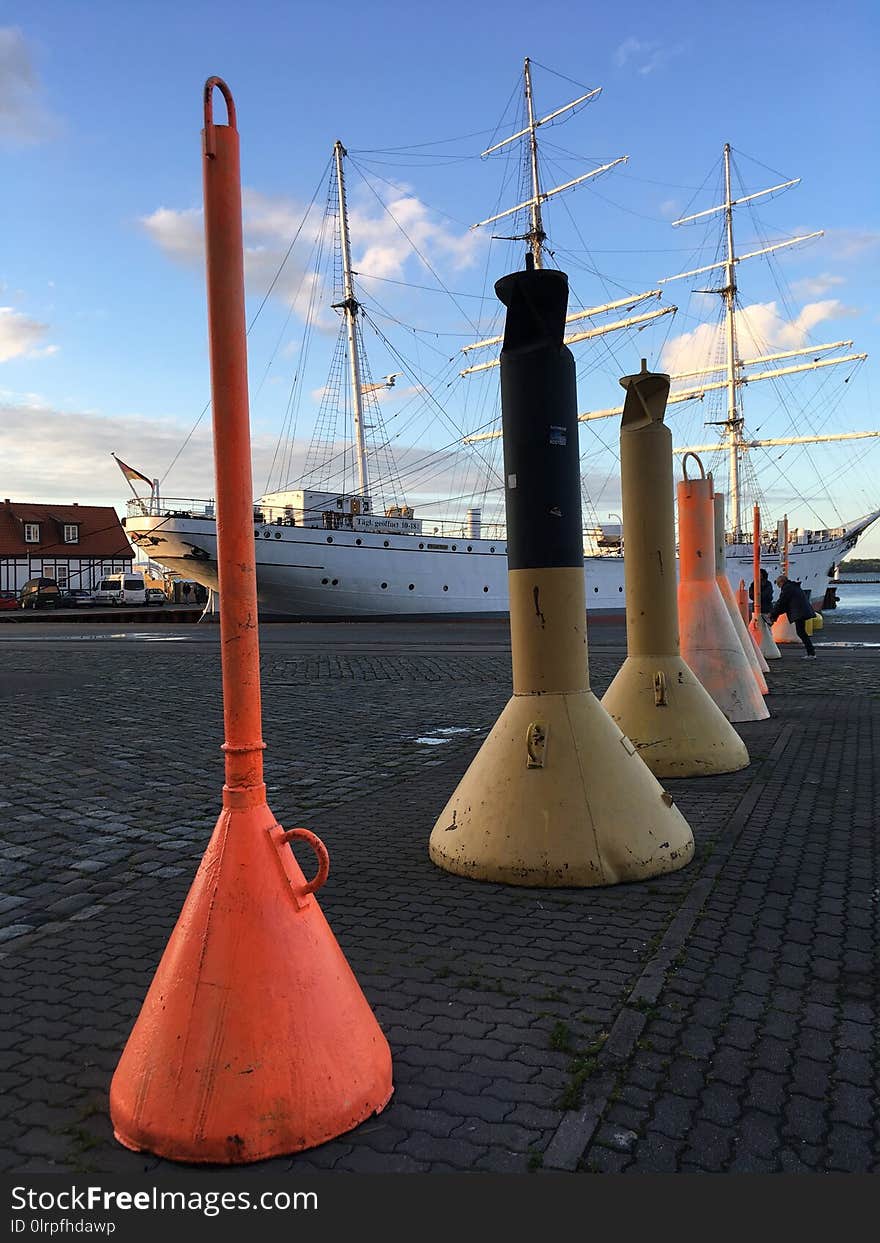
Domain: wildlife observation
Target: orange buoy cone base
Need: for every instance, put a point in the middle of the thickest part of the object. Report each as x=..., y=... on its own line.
x=762, y=659
x=710, y=646
x=763, y=638
x=742, y=601
x=254, y=1039
x=756, y=661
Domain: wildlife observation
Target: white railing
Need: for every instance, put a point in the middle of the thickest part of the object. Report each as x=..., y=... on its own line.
x=272, y=515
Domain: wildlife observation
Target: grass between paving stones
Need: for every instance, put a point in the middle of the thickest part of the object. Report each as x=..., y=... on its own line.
x=580, y=1069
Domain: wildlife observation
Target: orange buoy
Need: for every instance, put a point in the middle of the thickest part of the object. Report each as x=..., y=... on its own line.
x=783, y=630
x=758, y=627
x=757, y=663
x=255, y=1038
x=709, y=642
x=742, y=600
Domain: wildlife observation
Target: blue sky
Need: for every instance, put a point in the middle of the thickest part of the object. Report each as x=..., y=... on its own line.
x=102, y=342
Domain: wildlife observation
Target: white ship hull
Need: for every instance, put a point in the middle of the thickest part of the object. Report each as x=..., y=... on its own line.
x=306, y=573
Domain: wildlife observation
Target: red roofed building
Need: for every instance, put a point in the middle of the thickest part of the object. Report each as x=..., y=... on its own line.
x=74, y=544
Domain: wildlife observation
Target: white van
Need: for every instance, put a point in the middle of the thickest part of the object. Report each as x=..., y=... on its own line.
x=121, y=589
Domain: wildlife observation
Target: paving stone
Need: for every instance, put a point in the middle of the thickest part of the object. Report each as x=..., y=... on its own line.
x=755, y=1055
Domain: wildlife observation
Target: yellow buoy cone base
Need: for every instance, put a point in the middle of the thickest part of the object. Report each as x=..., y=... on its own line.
x=557, y=796
x=783, y=631
x=672, y=720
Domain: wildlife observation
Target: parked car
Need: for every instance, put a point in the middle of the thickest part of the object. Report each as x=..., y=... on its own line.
x=8, y=599
x=155, y=595
x=76, y=597
x=40, y=593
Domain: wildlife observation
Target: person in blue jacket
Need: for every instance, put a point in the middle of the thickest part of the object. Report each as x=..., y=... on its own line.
x=792, y=601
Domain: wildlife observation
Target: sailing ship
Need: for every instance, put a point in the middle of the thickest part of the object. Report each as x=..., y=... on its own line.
x=339, y=552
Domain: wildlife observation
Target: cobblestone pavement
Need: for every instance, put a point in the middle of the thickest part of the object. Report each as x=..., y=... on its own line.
x=722, y=1018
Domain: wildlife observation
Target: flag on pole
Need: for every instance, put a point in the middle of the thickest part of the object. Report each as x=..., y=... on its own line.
x=130, y=473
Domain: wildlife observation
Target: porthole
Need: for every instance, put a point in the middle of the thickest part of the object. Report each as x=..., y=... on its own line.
x=596, y=589
x=453, y=547
x=385, y=542
x=278, y=535
x=445, y=588
x=384, y=585
x=470, y=548
x=335, y=582
x=620, y=589
x=492, y=549
x=329, y=539
x=325, y=581
x=412, y=586
x=485, y=589
x=421, y=545
x=359, y=542
x=267, y=534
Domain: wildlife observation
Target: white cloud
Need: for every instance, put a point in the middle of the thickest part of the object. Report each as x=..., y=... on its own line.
x=851, y=243
x=630, y=47
x=387, y=250
x=64, y=455
x=181, y=234
x=21, y=336
x=760, y=328
x=24, y=116
x=815, y=286
x=268, y=226
x=379, y=248
x=645, y=55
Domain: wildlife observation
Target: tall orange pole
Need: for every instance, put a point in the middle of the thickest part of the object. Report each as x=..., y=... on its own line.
x=237, y=572
x=756, y=561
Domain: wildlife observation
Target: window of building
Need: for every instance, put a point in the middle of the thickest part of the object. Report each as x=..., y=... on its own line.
x=32, y=532
x=71, y=533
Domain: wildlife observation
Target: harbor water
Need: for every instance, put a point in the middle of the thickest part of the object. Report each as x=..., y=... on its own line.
x=858, y=602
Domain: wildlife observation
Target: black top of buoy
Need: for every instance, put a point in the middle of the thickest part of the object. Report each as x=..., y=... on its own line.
x=537, y=303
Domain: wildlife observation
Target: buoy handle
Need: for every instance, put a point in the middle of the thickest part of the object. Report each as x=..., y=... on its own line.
x=323, y=857
x=684, y=464
x=209, y=102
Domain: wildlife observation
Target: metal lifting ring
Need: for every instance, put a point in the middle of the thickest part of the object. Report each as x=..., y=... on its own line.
x=209, y=101
x=684, y=464
x=208, y=133
x=323, y=857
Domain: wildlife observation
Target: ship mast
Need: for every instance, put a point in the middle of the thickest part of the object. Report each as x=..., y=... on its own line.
x=733, y=426
x=536, y=235
x=350, y=307
x=736, y=368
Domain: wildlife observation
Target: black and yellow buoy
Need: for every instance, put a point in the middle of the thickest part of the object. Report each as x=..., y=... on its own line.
x=557, y=795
